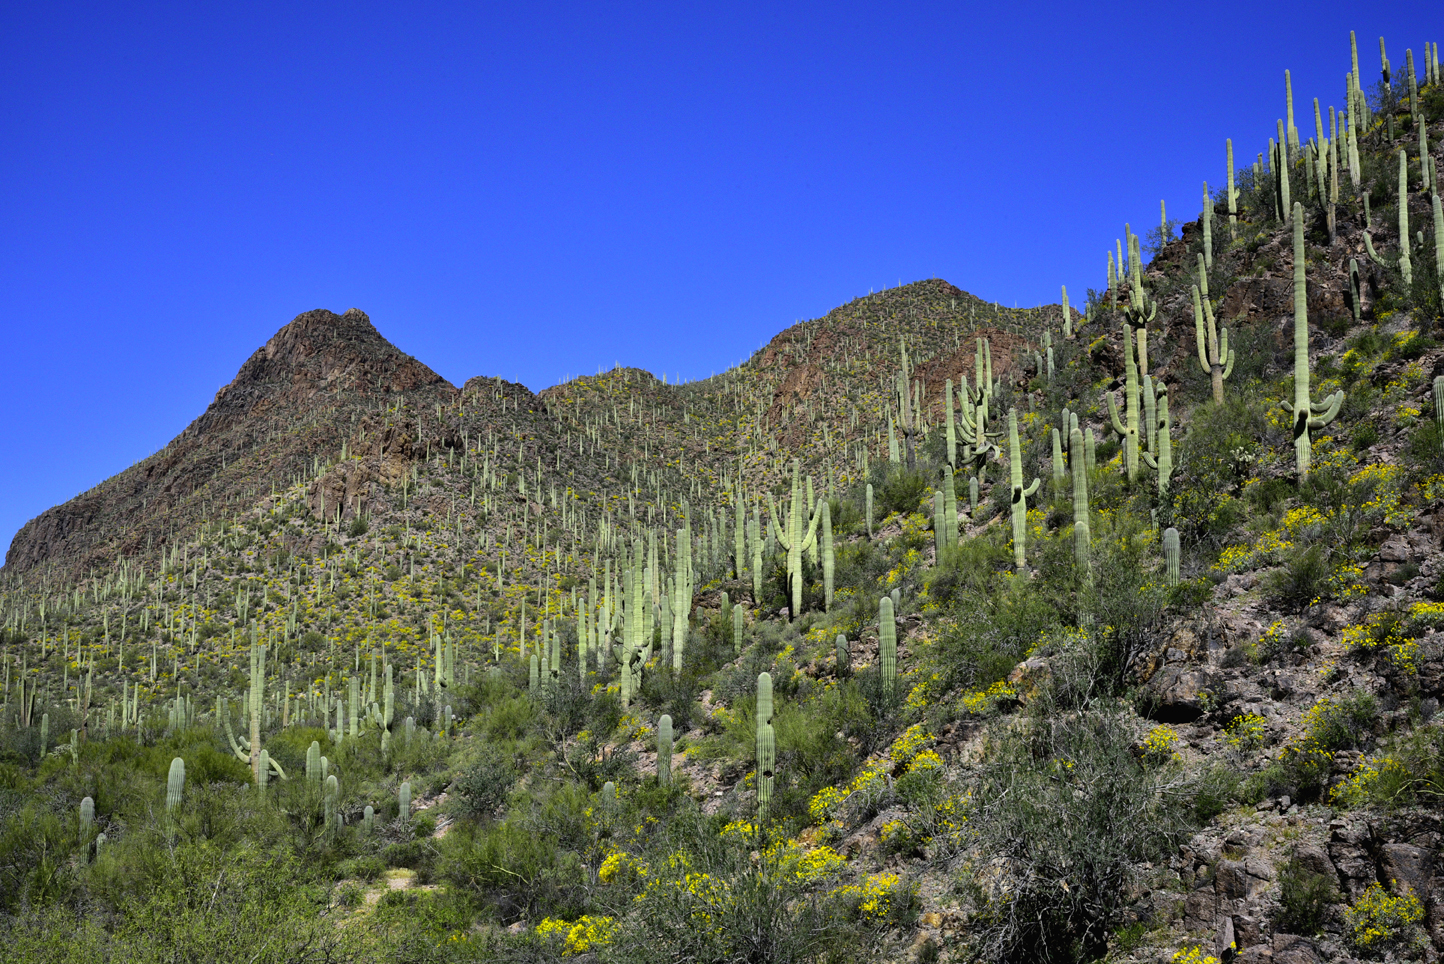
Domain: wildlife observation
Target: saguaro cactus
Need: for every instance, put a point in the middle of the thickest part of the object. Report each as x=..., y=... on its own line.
x=1439, y=408
x=1232, y=194
x=1307, y=415
x=1081, y=528
x=799, y=534
x=1438, y=212
x=1020, y=494
x=1128, y=427
x=887, y=644
x=829, y=558
x=403, y=800
x=844, y=657
x=87, y=816
x=175, y=784
x=766, y=766
x=950, y=508
x=331, y=800
x=738, y=626
x=1171, y=554
x=867, y=510
x=664, y=750
x=1214, y=353
x=1163, y=464
x=1406, y=267
x=766, y=744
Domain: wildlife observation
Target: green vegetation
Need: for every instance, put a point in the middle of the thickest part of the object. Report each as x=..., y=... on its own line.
x=573, y=683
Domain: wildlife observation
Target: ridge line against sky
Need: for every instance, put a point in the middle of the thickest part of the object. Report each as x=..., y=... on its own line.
x=538, y=190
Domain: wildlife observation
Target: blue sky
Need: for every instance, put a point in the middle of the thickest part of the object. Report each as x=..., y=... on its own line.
x=542, y=189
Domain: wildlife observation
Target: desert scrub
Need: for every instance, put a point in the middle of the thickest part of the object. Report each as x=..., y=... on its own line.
x=985, y=701
x=1385, y=633
x=1380, y=922
x=1330, y=724
x=1381, y=780
x=1040, y=781
x=586, y=933
x=881, y=899
x=1245, y=732
x=1193, y=955
x=1158, y=745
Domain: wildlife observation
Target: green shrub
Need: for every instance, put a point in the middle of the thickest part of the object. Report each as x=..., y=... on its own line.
x=1304, y=899
x=1381, y=923
x=1301, y=581
x=484, y=786
x=902, y=492
x=1050, y=892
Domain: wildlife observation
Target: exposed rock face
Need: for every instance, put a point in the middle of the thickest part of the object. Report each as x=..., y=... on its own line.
x=296, y=399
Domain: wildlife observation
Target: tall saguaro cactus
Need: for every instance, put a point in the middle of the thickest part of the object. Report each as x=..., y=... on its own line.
x=1214, y=353
x=1163, y=463
x=1308, y=417
x=1020, y=494
x=175, y=784
x=1128, y=427
x=664, y=750
x=799, y=534
x=1171, y=554
x=829, y=557
x=256, y=703
x=887, y=644
x=1406, y=267
x=1081, y=528
x=766, y=745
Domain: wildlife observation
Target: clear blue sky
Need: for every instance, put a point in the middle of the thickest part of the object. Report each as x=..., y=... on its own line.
x=541, y=189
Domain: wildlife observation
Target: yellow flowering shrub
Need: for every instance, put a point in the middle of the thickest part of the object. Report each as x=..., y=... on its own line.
x=928, y=761
x=1245, y=731
x=1386, y=632
x=1158, y=745
x=1380, y=921
x=804, y=865
x=1432, y=488
x=1378, y=779
x=1379, y=489
x=981, y=702
x=1194, y=955
x=739, y=831
x=620, y=866
x=585, y=934
x=876, y=899
x=905, y=747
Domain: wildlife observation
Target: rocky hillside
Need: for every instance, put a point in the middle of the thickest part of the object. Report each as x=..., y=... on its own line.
x=933, y=631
